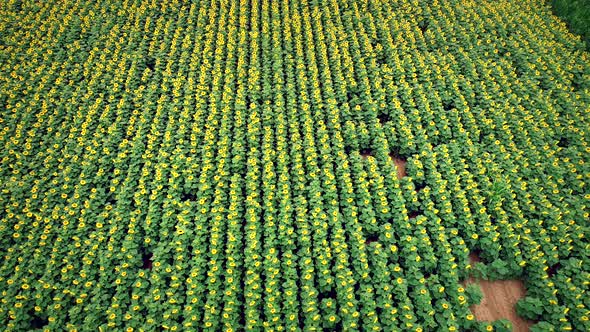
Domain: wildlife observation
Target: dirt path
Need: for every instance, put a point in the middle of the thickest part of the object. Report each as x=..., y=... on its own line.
x=499, y=300
x=400, y=164
x=401, y=167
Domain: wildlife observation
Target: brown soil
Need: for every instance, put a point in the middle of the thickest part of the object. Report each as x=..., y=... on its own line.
x=400, y=164
x=499, y=300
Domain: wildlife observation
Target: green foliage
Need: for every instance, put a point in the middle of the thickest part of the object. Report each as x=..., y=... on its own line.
x=529, y=308
x=542, y=327
x=502, y=325
x=576, y=13
x=474, y=293
x=497, y=270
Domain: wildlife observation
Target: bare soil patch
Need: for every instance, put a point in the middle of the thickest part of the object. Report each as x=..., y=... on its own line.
x=400, y=164
x=499, y=300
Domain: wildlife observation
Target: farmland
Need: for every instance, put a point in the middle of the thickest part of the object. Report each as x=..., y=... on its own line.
x=291, y=165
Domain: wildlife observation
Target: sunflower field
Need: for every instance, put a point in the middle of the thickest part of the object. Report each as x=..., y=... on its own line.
x=231, y=165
